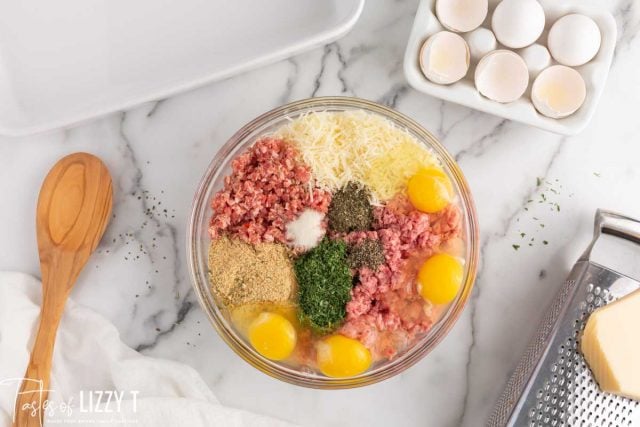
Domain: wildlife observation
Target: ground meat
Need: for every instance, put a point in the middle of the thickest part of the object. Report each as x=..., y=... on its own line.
x=386, y=312
x=268, y=187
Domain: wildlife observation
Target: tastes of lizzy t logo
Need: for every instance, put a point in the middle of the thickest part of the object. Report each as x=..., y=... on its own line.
x=102, y=402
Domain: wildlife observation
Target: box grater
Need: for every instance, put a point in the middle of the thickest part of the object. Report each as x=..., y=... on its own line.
x=552, y=385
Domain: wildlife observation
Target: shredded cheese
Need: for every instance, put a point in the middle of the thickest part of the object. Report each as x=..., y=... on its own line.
x=357, y=146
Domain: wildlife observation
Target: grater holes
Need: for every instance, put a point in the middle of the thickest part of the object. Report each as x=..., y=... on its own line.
x=569, y=395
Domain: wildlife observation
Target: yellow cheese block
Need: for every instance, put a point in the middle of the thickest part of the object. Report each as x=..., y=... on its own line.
x=611, y=346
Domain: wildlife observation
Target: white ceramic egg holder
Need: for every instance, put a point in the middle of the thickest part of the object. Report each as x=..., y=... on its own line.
x=464, y=91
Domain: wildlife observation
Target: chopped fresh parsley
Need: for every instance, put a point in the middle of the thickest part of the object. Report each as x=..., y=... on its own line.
x=324, y=282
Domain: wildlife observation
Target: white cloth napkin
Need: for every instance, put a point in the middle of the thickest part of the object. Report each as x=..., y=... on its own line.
x=89, y=358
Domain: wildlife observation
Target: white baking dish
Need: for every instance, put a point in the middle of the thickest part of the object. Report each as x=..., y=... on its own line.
x=463, y=92
x=64, y=62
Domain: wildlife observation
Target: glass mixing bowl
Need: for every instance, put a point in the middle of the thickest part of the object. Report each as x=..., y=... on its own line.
x=198, y=244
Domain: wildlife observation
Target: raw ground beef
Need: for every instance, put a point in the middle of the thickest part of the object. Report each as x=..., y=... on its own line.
x=268, y=187
x=386, y=311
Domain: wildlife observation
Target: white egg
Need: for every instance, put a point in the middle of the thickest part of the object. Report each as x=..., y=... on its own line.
x=558, y=91
x=502, y=76
x=461, y=15
x=574, y=40
x=518, y=23
x=536, y=57
x=481, y=41
x=444, y=58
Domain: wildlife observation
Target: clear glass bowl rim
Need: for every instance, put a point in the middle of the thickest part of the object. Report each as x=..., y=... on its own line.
x=199, y=278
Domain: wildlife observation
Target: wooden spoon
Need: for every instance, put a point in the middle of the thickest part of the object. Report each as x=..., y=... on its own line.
x=74, y=208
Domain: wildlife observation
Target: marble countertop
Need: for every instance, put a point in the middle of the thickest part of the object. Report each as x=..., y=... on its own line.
x=158, y=151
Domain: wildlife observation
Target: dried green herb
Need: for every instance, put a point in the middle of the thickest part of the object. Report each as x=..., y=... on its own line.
x=368, y=253
x=324, y=283
x=350, y=209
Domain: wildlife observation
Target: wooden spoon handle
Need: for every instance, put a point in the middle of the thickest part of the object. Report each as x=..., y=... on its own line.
x=74, y=207
x=32, y=398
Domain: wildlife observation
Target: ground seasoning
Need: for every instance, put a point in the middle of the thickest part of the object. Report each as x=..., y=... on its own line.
x=241, y=273
x=368, y=253
x=324, y=282
x=350, y=209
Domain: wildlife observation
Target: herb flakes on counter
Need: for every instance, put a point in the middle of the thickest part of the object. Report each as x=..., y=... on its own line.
x=368, y=253
x=324, y=283
x=546, y=190
x=350, y=209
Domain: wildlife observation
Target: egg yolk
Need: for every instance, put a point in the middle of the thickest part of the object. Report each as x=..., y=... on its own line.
x=440, y=278
x=340, y=357
x=429, y=190
x=272, y=335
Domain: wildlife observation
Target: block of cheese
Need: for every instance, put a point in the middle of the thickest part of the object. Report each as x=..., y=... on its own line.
x=611, y=346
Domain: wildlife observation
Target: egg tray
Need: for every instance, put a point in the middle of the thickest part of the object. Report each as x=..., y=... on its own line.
x=464, y=91
x=552, y=385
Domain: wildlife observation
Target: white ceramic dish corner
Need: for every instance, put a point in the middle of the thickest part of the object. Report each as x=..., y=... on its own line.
x=65, y=62
x=464, y=92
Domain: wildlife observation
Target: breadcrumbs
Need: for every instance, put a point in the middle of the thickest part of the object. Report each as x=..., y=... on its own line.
x=241, y=273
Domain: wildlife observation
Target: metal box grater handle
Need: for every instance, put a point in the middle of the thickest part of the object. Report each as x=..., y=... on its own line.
x=551, y=385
